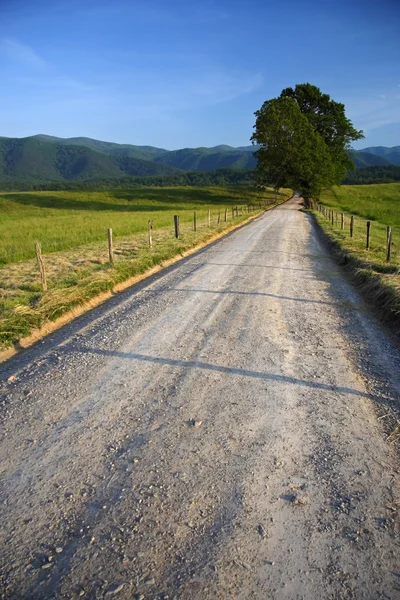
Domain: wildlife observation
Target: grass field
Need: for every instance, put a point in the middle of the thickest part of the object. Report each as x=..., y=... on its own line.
x=379, y=204
x=72, y=229
x=65, y=220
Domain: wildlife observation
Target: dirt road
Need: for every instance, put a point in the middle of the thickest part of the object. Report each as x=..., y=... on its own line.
x=210, y=434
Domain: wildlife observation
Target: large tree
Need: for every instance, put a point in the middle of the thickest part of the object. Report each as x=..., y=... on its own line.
x=303, y=137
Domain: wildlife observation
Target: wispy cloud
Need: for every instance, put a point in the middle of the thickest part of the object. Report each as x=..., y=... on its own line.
x=22, y=53
x=215, y=87
x=184, y=88
x=374, y=110
x=56, y=83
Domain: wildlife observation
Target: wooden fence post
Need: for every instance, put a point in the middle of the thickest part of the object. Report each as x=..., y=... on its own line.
x=41, y=266
x=176, y=224
x=388, y=243
x=194, y=221
x=351, y=226
x=342, y=221
x=333, y=217
x=368, y=234
x=209, y=217
x=110, y=247
x=150, y=225
x=226, y=214
x=219, y=217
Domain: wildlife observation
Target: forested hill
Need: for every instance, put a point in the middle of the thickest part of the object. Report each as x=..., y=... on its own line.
x=186, y=159
x=207, y=159
x=366, y=159
x=129, y=150
x=32, y=159
x=42, y=158
x=392, y=155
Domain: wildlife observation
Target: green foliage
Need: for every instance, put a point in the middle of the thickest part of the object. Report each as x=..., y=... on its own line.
x=326, y=116
x=219, y=177
x=291, y=153
x=368, y=175
x=304, y=138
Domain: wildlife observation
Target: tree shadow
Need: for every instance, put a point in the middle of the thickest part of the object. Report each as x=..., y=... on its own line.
x=258, y=266
x=158, y=200
x=238, y=293
x=194, y=364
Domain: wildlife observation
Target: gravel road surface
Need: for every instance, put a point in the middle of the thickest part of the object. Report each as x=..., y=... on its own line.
x=208, y=434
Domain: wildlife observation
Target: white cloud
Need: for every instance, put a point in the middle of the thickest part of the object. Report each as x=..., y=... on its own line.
x=22, y=53
x=183, y=89
x=370, y=112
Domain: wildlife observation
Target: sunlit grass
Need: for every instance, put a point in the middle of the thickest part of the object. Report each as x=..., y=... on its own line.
x=64, y=220
x=379, y=204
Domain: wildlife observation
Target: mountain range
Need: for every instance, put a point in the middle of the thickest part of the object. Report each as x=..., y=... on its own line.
x=43, y=158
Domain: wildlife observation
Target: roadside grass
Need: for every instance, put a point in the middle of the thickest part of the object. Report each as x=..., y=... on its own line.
x=72, y=229
x=376, y=202
x=380, y=204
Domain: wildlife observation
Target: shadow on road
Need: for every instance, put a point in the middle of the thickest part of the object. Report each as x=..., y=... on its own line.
x=194, y=290
x=192, y=364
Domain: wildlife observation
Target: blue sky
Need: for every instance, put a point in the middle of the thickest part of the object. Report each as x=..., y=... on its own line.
x=182, y=73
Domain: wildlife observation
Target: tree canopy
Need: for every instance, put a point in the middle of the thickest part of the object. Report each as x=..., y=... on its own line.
x=303, y=137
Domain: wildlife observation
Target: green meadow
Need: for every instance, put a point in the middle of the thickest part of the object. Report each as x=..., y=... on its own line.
x=72, y=230
x=64, y=220
x=376, y=202
x=379, y=204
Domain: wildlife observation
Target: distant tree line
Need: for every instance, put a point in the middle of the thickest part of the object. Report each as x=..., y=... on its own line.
x=380, y=174
x=219, y=177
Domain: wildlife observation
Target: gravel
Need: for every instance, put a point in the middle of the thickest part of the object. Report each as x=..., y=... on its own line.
x=260, y=345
